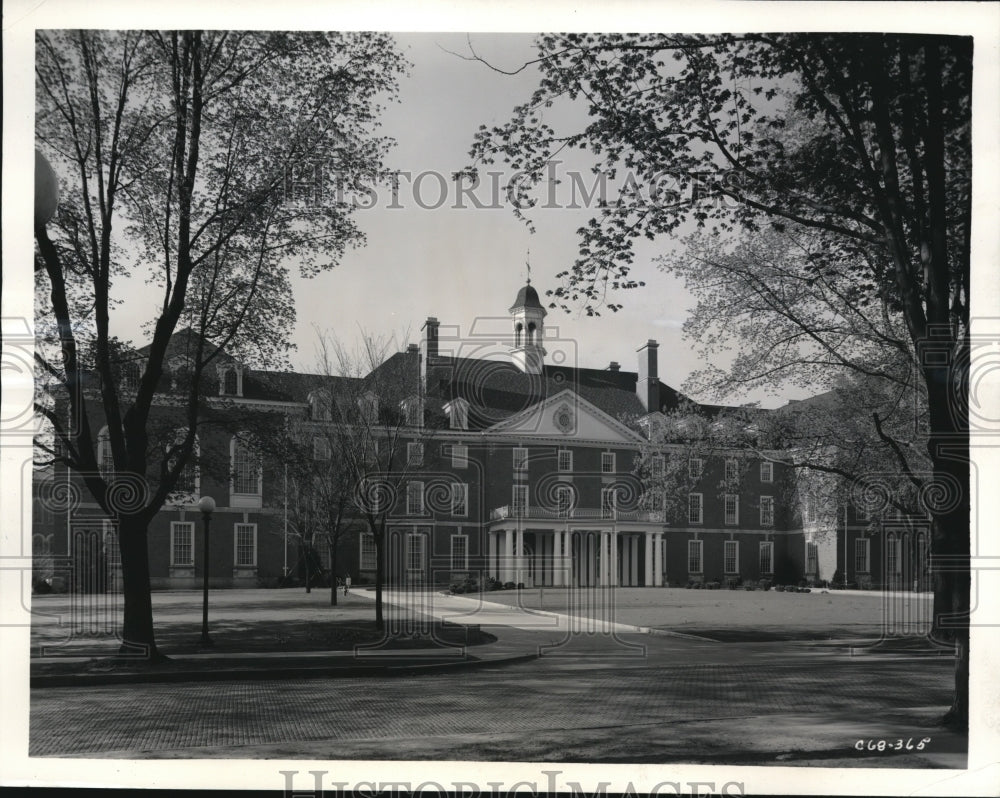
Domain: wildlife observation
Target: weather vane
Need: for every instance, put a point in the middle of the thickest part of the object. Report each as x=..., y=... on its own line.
x=527, y=263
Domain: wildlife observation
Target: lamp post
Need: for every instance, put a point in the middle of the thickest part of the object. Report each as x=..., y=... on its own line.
x=206, y=504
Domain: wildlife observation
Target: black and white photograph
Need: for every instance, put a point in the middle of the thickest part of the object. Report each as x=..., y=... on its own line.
x=592, y=399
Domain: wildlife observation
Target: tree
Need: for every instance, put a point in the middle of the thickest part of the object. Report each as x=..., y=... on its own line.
x=380, y=434
x=864, y=138
x=186, y=154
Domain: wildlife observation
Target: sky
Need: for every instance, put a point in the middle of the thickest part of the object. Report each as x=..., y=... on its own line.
x=464, y=265
x=439, y=255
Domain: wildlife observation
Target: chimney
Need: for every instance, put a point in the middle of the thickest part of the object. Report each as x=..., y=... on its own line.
x=647, y=385
x=413, y=348
x=431, y=337
x=614, y=366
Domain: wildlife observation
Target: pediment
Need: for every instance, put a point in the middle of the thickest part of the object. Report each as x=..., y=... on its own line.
x=567, y=415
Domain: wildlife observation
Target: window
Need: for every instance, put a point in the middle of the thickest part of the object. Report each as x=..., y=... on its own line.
x=319, y=406
x=694, y=508
x=519, y=501
x=732, y=502
x=607, y=462
x=414, y=498
x=459, y=456
x=732, y=472
x=731, y=557
x=415, y=552
x=415, y=454
x=230, y=383
x=892, y=555
x=459, y=499
x=766, y=559
x=812, y=559
x=861, y=512
x=657, y=466
x=861, y=561
x=368, y=552
x=694, y=556
x=412, y=411
x=182, y=543
x=321, y=448
x=458, y=413
x=520, y=459
x=245, y=545
x=607, y=503
x=565, y=460
x=459, y=552
x=564, y=501
x=246, y=468
x=105, y=459
x=188, y=479
x=767, y=511
x=695, y=467
x=767, y=472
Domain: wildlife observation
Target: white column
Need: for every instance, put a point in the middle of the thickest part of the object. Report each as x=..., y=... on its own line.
x=633, y=545
x=508, y=555
x=591, y=558
x=649, y=560
x=491, y=551
x=613, y=556
x=658, y=562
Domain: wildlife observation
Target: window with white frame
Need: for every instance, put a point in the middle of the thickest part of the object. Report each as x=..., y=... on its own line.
x=809, y=510
x=319, y=406
x=519, y=501
x=892, y=563
x=105, y=459
x=732, y=471
x=767, y=471
x=246, y=468
x=861, y=512
x=657, y=466
x=812, y=559
x=368, y=559
x=695, y=465
x=188, y=480
x=607, y=502
x=861, y=556
x=459, y=456
x=607, y=462
x=731, y=557
x=520, y=458
x=245, y=545
x=767, y=511
x=415, y=453
x=565, y=460
x=321, y=448
x=766, y=559
x=182, y=543
x=415, y=552
x=459, y=552
x=458, y=413
x=695, y=508
x=564, y=500
x=695, y=548
x=732, y=506
x=414, y=498
x=459, y=499
x=411, y=411
x=656, y=500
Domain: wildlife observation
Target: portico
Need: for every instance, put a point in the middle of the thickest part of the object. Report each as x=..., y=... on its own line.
x=575, y=554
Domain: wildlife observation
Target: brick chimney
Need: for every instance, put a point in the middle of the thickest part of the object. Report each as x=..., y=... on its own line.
x=614, y=365
x=647, y=385
x=431, y=327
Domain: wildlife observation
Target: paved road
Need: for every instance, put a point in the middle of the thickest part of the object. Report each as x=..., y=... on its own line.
x=590, y=700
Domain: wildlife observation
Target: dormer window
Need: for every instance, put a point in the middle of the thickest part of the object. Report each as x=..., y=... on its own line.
x=231, y=380
x=319, y=406
x=411, y=409
x=458, y=413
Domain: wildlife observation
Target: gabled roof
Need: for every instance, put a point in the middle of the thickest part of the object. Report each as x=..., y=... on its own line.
x=566, y=413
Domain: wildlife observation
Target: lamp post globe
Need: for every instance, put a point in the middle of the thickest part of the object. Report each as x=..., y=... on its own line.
x=206, y=504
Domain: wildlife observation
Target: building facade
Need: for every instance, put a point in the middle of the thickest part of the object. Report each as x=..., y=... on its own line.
x=518, y=466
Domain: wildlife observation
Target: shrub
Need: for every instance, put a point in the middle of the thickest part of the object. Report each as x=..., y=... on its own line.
x=780, y=588
x=508, y=585
x=748, y=585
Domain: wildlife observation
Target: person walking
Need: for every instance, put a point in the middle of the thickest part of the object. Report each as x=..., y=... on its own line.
x=347, y=585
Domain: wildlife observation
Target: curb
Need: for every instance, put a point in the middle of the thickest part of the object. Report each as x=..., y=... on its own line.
x=398, y=668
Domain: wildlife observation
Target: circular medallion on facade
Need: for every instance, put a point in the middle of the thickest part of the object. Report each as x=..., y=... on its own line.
x=563, y=419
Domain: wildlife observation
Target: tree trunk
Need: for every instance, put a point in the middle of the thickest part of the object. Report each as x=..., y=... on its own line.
x=379, y=574
x=333, y=573
x=138, y=640
x=305, y=559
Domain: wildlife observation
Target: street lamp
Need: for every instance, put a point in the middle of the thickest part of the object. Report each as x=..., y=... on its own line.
x=206, y=504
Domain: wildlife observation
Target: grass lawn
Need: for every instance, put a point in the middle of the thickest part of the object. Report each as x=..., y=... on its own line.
x=733, y=614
